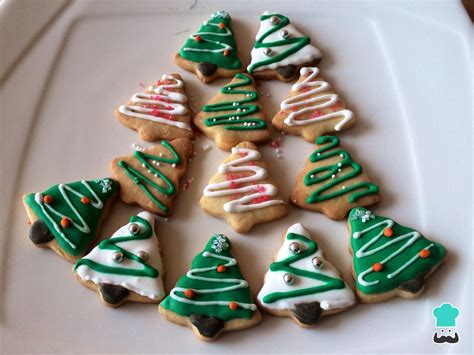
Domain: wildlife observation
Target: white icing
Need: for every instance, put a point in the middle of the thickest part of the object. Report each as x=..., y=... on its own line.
x=235, y=284
x=80, y=223
x=145, y=286
x=172, y=103
x=256, y=191
x=309, y=101
x=224, y=46
x=305, y=55
x=273, y=282
x=410, y=237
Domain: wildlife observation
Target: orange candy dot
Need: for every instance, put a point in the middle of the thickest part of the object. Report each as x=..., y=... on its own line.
x=377, y=267
x=85, y=200
x=221, y=25
x=425, y=253
x=197, y=38
x=189, y=293
x=48, y=199
x=388, y=232
x=226, y=52
x=221, y=268
x=65, y=222
x=233, y=306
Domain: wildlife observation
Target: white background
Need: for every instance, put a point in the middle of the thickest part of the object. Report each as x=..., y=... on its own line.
x=404, y=69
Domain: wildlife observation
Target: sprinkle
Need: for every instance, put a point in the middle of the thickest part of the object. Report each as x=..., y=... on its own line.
x=173, y=165
x=388, y=232
x=377, y=267
x=189, y=293
x=221, y=268
x=274, y=144
x=48, y=199
x=65, y=222
x=85, y=200
x=425, y=253
x=233, y=306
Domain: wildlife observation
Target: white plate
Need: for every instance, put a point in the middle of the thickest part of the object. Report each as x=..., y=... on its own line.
x=403, y=69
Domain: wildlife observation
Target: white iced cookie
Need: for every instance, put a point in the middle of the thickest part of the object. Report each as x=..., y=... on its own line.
x=126, y=267
x=301, y=283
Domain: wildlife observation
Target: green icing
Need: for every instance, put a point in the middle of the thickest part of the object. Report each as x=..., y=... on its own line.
x=214, y=291
x=329, y=283
x=66, y=203
x=398, y=253
x=111, y=244
x=214, y=41
x=296, y=42
x=325, y=173
x=237, y=119
x=142, y=181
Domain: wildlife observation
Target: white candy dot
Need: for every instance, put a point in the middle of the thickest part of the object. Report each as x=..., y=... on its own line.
x=173, y=165
x=143, y=165
x=343, y=187
x=339, y=164
x=341, y=155
x=333, y=176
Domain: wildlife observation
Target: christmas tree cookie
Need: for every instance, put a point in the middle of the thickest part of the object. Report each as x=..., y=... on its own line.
x=301, y=283
x=390, y=259
x=67, y=217
x=241, y=192
x=280, y=50
x=312, y=108
x=161, y=112
x=126, y=267
x=332, y=183
x=213, y=296
x=234, y=115
x=212, y=51
x=150, y=177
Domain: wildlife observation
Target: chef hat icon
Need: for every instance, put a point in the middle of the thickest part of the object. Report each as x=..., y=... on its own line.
x=445, y=315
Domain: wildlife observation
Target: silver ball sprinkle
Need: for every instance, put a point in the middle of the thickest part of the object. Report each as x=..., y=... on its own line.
x=267, y=51
x=143, y=255
x=289, y=278
x=134, y=228
x=295, y=248
x=117, y=257
x=317, y=262
x=284, y=33
x=275, y=20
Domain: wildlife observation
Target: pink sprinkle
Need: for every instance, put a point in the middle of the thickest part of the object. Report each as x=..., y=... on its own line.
x=306, y=89
x=235, y=196
x=317, y=113
x=231, y=177
x=275, y=144
x=261, y=199
x=261, y=188
x=251, y=163
x=233, y=184
x=243, y=154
